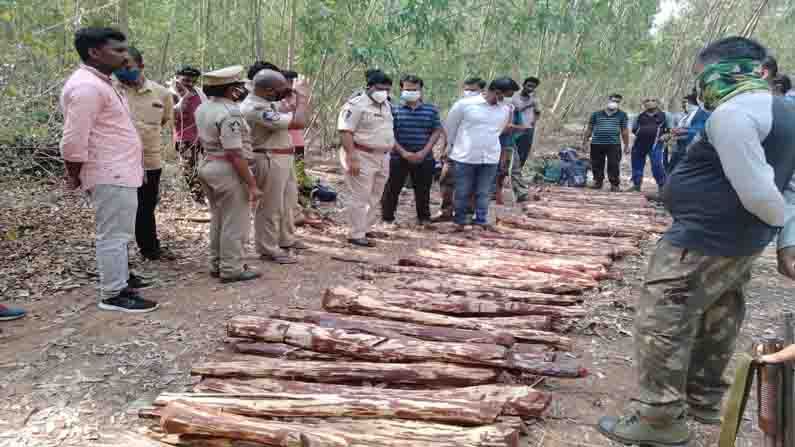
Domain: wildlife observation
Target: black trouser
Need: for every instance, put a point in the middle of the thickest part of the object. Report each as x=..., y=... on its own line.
x=422, y=178
x=611, y=153
x=145, y=224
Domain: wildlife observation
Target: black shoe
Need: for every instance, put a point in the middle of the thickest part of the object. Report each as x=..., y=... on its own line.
x=134, y=282
x=245, y=275
x=522, y=198
x=128, y=301
x=596, y=185
x=442, y=217
x=161, y=254
x=615, y=188
x=362, y=242
x=376, y=235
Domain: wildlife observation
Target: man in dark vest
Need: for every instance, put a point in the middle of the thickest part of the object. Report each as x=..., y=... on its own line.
x=730, y=196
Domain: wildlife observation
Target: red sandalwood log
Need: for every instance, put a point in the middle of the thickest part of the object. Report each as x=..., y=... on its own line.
x=426, y=374
x=370, y=406
x=184, y=418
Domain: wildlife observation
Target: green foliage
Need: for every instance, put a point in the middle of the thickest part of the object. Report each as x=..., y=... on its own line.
x=590, y=46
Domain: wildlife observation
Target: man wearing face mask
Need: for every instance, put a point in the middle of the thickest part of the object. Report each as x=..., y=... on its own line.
x=417, y=129
x=730, y=196
x=649, y=126
x=528, y=108
x=472, y=87
x=274, y=151
x=367, y=134
x=225, y=174
x=508, y=157
x=152, y=108
x=608, y=128
x=474, y=126
x=104, y=157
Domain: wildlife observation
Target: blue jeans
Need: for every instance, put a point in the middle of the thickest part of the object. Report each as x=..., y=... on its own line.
x=476, y=178
x=639, y=154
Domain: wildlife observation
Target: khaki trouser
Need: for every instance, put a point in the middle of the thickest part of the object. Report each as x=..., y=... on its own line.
x=689, y=315
x=366, y=189
x=229, y=211
x=274, y=224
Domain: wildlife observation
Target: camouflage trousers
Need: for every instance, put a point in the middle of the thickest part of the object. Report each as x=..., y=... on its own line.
x=190, y=155
x=689, y=316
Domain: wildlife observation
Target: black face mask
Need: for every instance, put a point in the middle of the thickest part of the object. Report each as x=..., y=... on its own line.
x=278, y=96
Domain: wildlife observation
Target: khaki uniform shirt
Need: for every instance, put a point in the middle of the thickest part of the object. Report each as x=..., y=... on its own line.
x=371, y=123
x=151, y=107
x=221, y=127
x=269, y=127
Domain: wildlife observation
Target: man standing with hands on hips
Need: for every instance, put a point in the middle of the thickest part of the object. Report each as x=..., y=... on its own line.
x=367, y=133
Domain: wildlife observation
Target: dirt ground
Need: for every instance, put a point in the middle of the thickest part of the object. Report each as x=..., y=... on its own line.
x=72, y=375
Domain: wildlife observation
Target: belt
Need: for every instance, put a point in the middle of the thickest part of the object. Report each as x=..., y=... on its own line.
x=288, y=151
x=368, y=149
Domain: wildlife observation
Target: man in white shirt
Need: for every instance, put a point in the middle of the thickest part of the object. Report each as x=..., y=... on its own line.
x=473, y=128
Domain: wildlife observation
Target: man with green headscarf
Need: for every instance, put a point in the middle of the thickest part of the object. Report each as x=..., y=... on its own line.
x=730, y=196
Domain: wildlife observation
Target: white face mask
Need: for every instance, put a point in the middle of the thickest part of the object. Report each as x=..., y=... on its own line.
x=379, y=96
x=410, y=96
x=468, y=93
x=612, y=105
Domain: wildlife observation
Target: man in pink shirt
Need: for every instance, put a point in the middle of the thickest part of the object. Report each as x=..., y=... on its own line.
x=187, y=99
x=104, y=157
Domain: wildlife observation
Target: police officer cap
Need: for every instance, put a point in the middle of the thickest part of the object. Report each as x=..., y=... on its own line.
x=224, y=76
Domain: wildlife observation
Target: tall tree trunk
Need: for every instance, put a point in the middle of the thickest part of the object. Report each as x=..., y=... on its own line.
x=124, y=17
x=258, y=41
x=171, y=25
x=291, y=43
x=750, y=26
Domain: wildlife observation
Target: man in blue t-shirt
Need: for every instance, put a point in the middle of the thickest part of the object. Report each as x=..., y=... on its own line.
x=417, y=129
x=606, y=129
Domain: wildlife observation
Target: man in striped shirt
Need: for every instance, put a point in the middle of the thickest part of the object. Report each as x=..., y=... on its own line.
x=606, y=130
x=417, y=129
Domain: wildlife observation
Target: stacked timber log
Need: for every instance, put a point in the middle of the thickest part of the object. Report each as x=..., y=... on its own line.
x=418, y=358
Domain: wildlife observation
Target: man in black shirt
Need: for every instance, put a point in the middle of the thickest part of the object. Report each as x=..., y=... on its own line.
x=649, y=126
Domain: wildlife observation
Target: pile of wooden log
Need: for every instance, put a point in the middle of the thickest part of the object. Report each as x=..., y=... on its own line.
x=446, y=349
x=422, y=365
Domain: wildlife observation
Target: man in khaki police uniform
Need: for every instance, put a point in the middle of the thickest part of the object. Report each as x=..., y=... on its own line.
x=225, y=173
x=152, y=108
x=367, y=134
x=274, y=154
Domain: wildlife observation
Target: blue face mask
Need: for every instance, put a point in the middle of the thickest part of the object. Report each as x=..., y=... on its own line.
x=127, y=74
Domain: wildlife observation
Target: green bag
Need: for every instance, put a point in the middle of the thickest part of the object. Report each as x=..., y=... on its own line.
x=552, y=171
